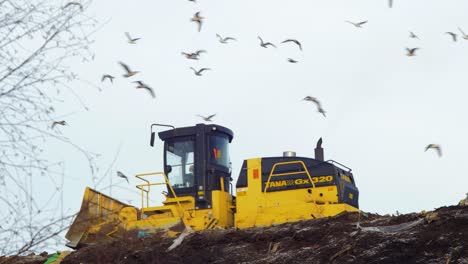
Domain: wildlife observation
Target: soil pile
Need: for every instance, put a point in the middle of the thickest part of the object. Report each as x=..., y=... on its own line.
x=440, y=236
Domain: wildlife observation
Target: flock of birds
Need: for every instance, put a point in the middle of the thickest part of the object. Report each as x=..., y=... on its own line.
x=199, y=20
x=409, y=52
x=412, y=51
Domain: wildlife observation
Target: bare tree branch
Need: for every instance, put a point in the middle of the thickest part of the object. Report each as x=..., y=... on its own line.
x=38, y=39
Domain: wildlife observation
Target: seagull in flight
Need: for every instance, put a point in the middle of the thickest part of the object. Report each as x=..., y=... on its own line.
x=265, y=44
x=129, y=72
x=193, y=55
x=198, y=19
x=317, y=103
x=107, y=76
x=207, y=118
x=74, y=3
x=62, y=123
x=436, y=147
x=454, y=36
x=311, y=99
x=142, y=85
x=411, y=52
x=121, y=175
x=224, y=40
x=464, y=36
x=295, y=41
x=199, y=72
x=292, y=60
x=358, y=25
x=130, y=39
x=412, y=35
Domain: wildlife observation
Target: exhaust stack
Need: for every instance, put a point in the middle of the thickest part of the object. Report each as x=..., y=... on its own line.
x=319, y=151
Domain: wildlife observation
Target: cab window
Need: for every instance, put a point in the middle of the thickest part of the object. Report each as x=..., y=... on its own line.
x=180, y=159
x=219, y=150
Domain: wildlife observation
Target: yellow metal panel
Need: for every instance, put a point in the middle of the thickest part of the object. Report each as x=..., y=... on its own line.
x=222, y=202
x=196, y=218
x=128, y=214
x=248, y=197
x=163, y=217
x=258, y=208
x=280, y=214
x=153, y=224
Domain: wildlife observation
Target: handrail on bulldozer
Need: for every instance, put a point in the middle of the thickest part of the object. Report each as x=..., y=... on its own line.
x=288, y=173
x=148, y=185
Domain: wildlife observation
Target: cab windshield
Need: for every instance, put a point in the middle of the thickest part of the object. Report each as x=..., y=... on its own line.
x=180, y=161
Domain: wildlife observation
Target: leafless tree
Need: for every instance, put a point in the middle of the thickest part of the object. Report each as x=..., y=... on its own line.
x=38, y=39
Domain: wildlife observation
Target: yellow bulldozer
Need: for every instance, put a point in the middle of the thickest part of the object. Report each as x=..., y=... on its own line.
x=200, y=195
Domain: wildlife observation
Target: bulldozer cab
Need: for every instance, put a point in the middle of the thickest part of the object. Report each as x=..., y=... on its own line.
x=196, y=173
x=196, y=161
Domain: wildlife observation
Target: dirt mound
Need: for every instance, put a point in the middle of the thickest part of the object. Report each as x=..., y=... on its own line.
x=440, y=236
x=29, y=259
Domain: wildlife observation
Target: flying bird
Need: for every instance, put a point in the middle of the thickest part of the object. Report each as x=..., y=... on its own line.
x=74, y=3
x=292, y=60
x=129, y=72
x=311, y=99
x=62, y=123
x=142, y=85
x=207, y=118
x=130, y=39
x=198, y=19
x=294, y=41
x=463, y=33
x=436, y=147
x=199, y=72
x=317, y=103
x=224, y=40
x=412, y=35
x=121, y=175
x=411, y=52
x=190, y=56
x=193, y=55
x=359, y=24
x=265, y=44
x=454, y=36
x=107, y=76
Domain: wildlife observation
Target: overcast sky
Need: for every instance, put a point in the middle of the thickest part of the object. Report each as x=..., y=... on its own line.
x=383, y=107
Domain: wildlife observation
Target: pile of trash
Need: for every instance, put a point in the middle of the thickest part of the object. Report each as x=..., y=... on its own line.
x=42, y=258
x=439, y=236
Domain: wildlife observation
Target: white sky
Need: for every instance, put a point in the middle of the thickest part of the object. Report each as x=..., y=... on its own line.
x=382, y=107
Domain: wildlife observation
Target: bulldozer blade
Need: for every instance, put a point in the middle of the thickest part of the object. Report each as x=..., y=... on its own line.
x=99, y=213
x=74, y=239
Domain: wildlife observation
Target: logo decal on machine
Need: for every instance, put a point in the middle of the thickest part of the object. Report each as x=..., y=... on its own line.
x=283, y=183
